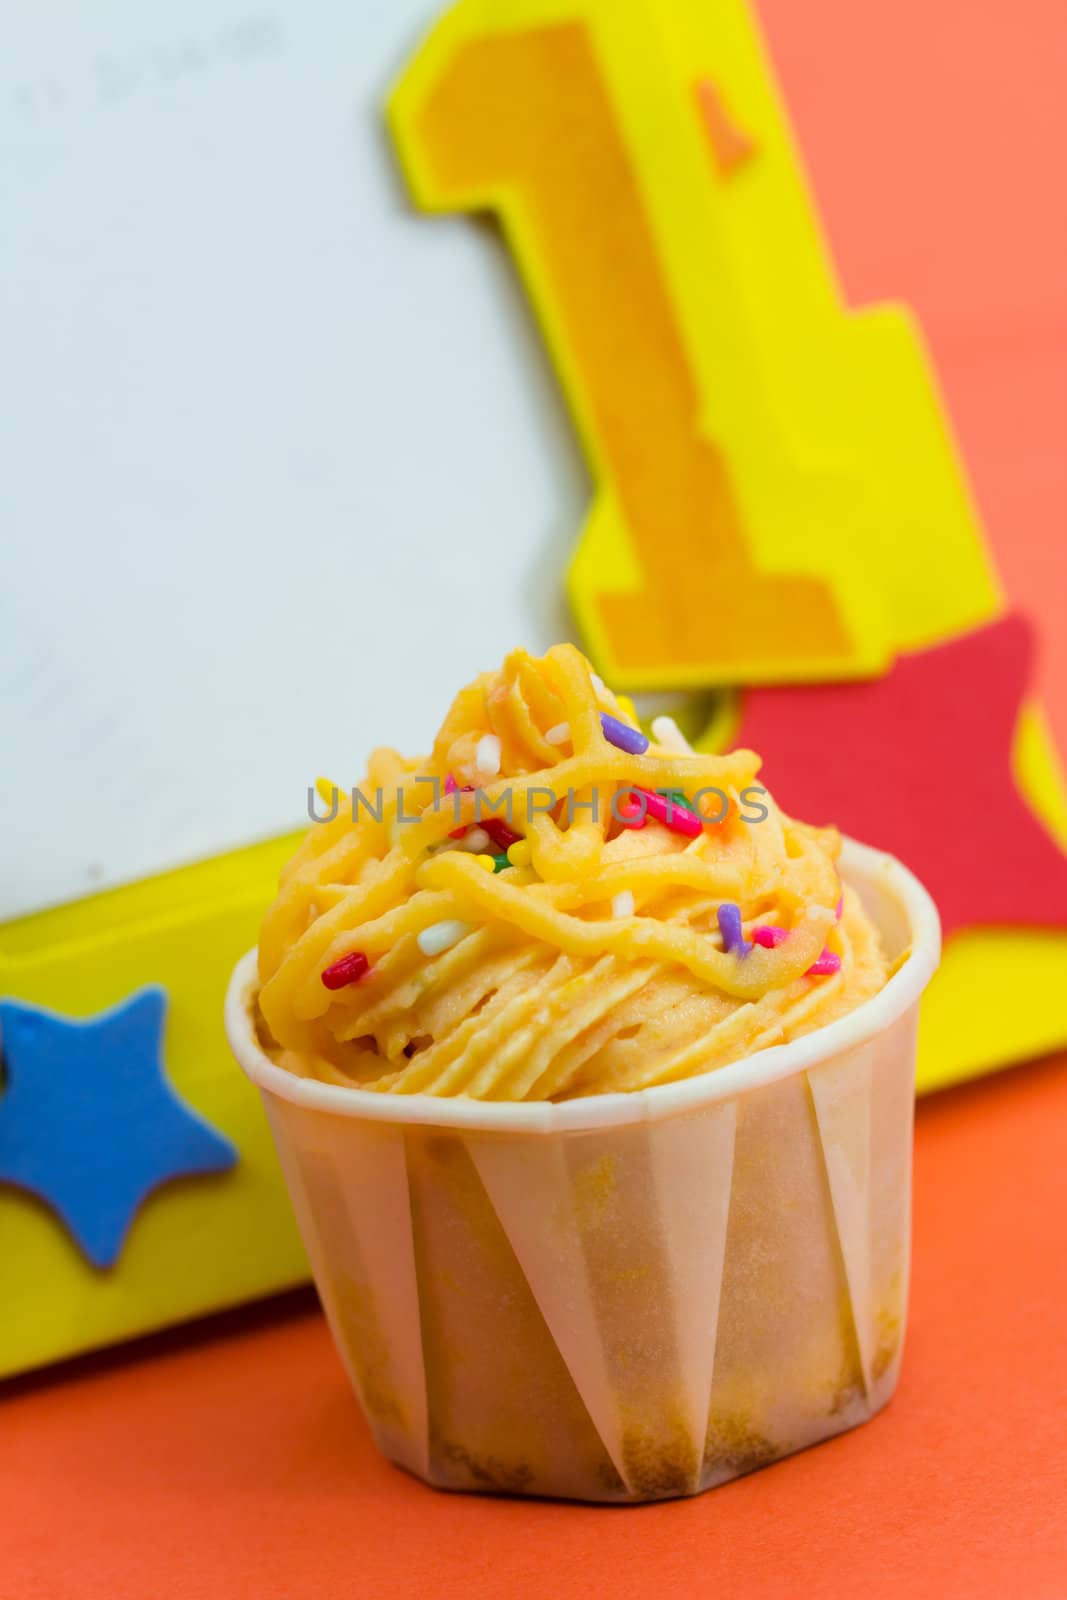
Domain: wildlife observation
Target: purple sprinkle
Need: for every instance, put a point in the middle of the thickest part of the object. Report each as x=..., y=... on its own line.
x=828, y=962
x=730, y=928
x=622, y=736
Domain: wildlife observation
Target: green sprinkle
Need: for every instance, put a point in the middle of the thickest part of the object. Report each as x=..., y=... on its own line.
x=501, y=863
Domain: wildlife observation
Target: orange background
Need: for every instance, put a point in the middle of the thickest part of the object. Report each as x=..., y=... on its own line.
x=234, y=1462
x=230, y=1460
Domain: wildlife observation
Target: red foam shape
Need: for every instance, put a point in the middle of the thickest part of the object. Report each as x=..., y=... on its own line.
x=919, y=763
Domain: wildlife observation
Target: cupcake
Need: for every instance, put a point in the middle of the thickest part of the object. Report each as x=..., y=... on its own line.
x=591, y=1074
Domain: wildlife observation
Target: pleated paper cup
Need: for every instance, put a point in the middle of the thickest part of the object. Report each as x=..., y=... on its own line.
x=628, y=1296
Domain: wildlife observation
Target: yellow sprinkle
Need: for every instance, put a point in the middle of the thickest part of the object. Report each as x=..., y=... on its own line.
x=487, y=862
x=627, y=707
x=519, y=853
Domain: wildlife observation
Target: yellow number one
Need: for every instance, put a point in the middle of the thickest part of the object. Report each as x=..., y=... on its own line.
x=777, y=496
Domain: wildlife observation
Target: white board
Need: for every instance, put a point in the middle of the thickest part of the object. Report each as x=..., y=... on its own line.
x=282, y=462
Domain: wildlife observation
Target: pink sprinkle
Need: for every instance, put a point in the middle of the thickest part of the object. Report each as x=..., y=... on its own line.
x=631, y=813
x=348, y=970
x=678, y=818
x=768, y=935
x=828, y=962
x=840, y=906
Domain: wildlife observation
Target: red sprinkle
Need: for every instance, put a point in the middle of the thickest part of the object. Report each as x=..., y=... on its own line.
x=497, y=829
x=452, y=787
x=768, y=935
x=348, y=970
x=828, y=962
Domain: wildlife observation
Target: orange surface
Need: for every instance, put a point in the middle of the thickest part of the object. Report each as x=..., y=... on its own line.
x=936, y=136
x=179, y=1472
x=935, y=133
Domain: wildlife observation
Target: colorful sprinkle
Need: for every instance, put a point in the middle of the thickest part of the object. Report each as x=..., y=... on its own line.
x=840, y=906
x=631, y=813
x=677, y=817
x=500, y=863
x=441, y=936
x=767, y=935
x=502, y=836
x=733, y=940
x=348, y=970
x=627, y=707
x=828, y=962
x=487, y=863
x=559, y=734
x=667, y=733
x=452, y=787
x=622, y=904
x=487, y=755
x=622, y=736
x=520, y=854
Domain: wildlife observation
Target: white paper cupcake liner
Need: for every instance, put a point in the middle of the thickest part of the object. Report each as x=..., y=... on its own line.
x=630, y=1296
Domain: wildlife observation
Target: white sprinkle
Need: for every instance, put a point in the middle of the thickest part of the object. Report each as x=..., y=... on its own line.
x=623, y=904
x=666, y=732
x=475, y=839
x=559, y=734
x=441, y=936
x=487, y=755
x=598, y=683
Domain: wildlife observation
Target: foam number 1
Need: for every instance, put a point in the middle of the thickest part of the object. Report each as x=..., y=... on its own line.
x=776, y=495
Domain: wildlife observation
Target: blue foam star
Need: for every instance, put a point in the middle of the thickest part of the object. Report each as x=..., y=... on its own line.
x=88, y=1121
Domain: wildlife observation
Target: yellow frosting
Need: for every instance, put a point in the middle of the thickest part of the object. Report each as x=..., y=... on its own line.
x=540, y=981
